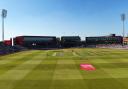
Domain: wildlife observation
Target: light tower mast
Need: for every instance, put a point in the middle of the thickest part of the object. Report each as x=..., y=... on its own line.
x=3, y=15
x=123, y=18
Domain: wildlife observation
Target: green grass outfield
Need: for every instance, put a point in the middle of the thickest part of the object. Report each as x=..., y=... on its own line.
x=60, y=69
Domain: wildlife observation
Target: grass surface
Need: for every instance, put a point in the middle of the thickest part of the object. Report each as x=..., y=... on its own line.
x=60, y=69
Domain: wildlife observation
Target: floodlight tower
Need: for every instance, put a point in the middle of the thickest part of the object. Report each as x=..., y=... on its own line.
x=123, y=18
x=3, y=15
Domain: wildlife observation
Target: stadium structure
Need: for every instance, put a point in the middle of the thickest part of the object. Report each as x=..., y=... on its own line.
x=47, y=42
x=70, y=41
x=36, y=41
x=104, y=40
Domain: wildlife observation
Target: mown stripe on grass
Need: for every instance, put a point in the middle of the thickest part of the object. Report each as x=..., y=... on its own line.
x=117, y=72
x=54, y=54
x=66, y=73
x=100, y=79
x=12, y=64
x=75, y=54
x=17, y=56
x=16, y=74
x=67, y=76
x=40, y=77
x=68, y=84
x=109, y=83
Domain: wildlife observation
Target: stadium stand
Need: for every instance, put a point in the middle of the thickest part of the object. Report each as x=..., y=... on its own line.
x=53, y=42
x=111, y=40
x=71, y=41
x=36, y=42
x=7, y=49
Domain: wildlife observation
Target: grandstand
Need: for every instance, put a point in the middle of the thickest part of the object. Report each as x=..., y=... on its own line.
x=7, y=49
x=53, y=42
x=104, y=40
x=70, y=41
x=36, y=42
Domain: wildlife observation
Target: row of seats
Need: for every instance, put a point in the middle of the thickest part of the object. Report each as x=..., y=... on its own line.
x=109, y=46
x=4, y=49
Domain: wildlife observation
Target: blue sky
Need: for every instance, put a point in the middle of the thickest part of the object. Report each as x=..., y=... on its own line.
x=63, y=17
